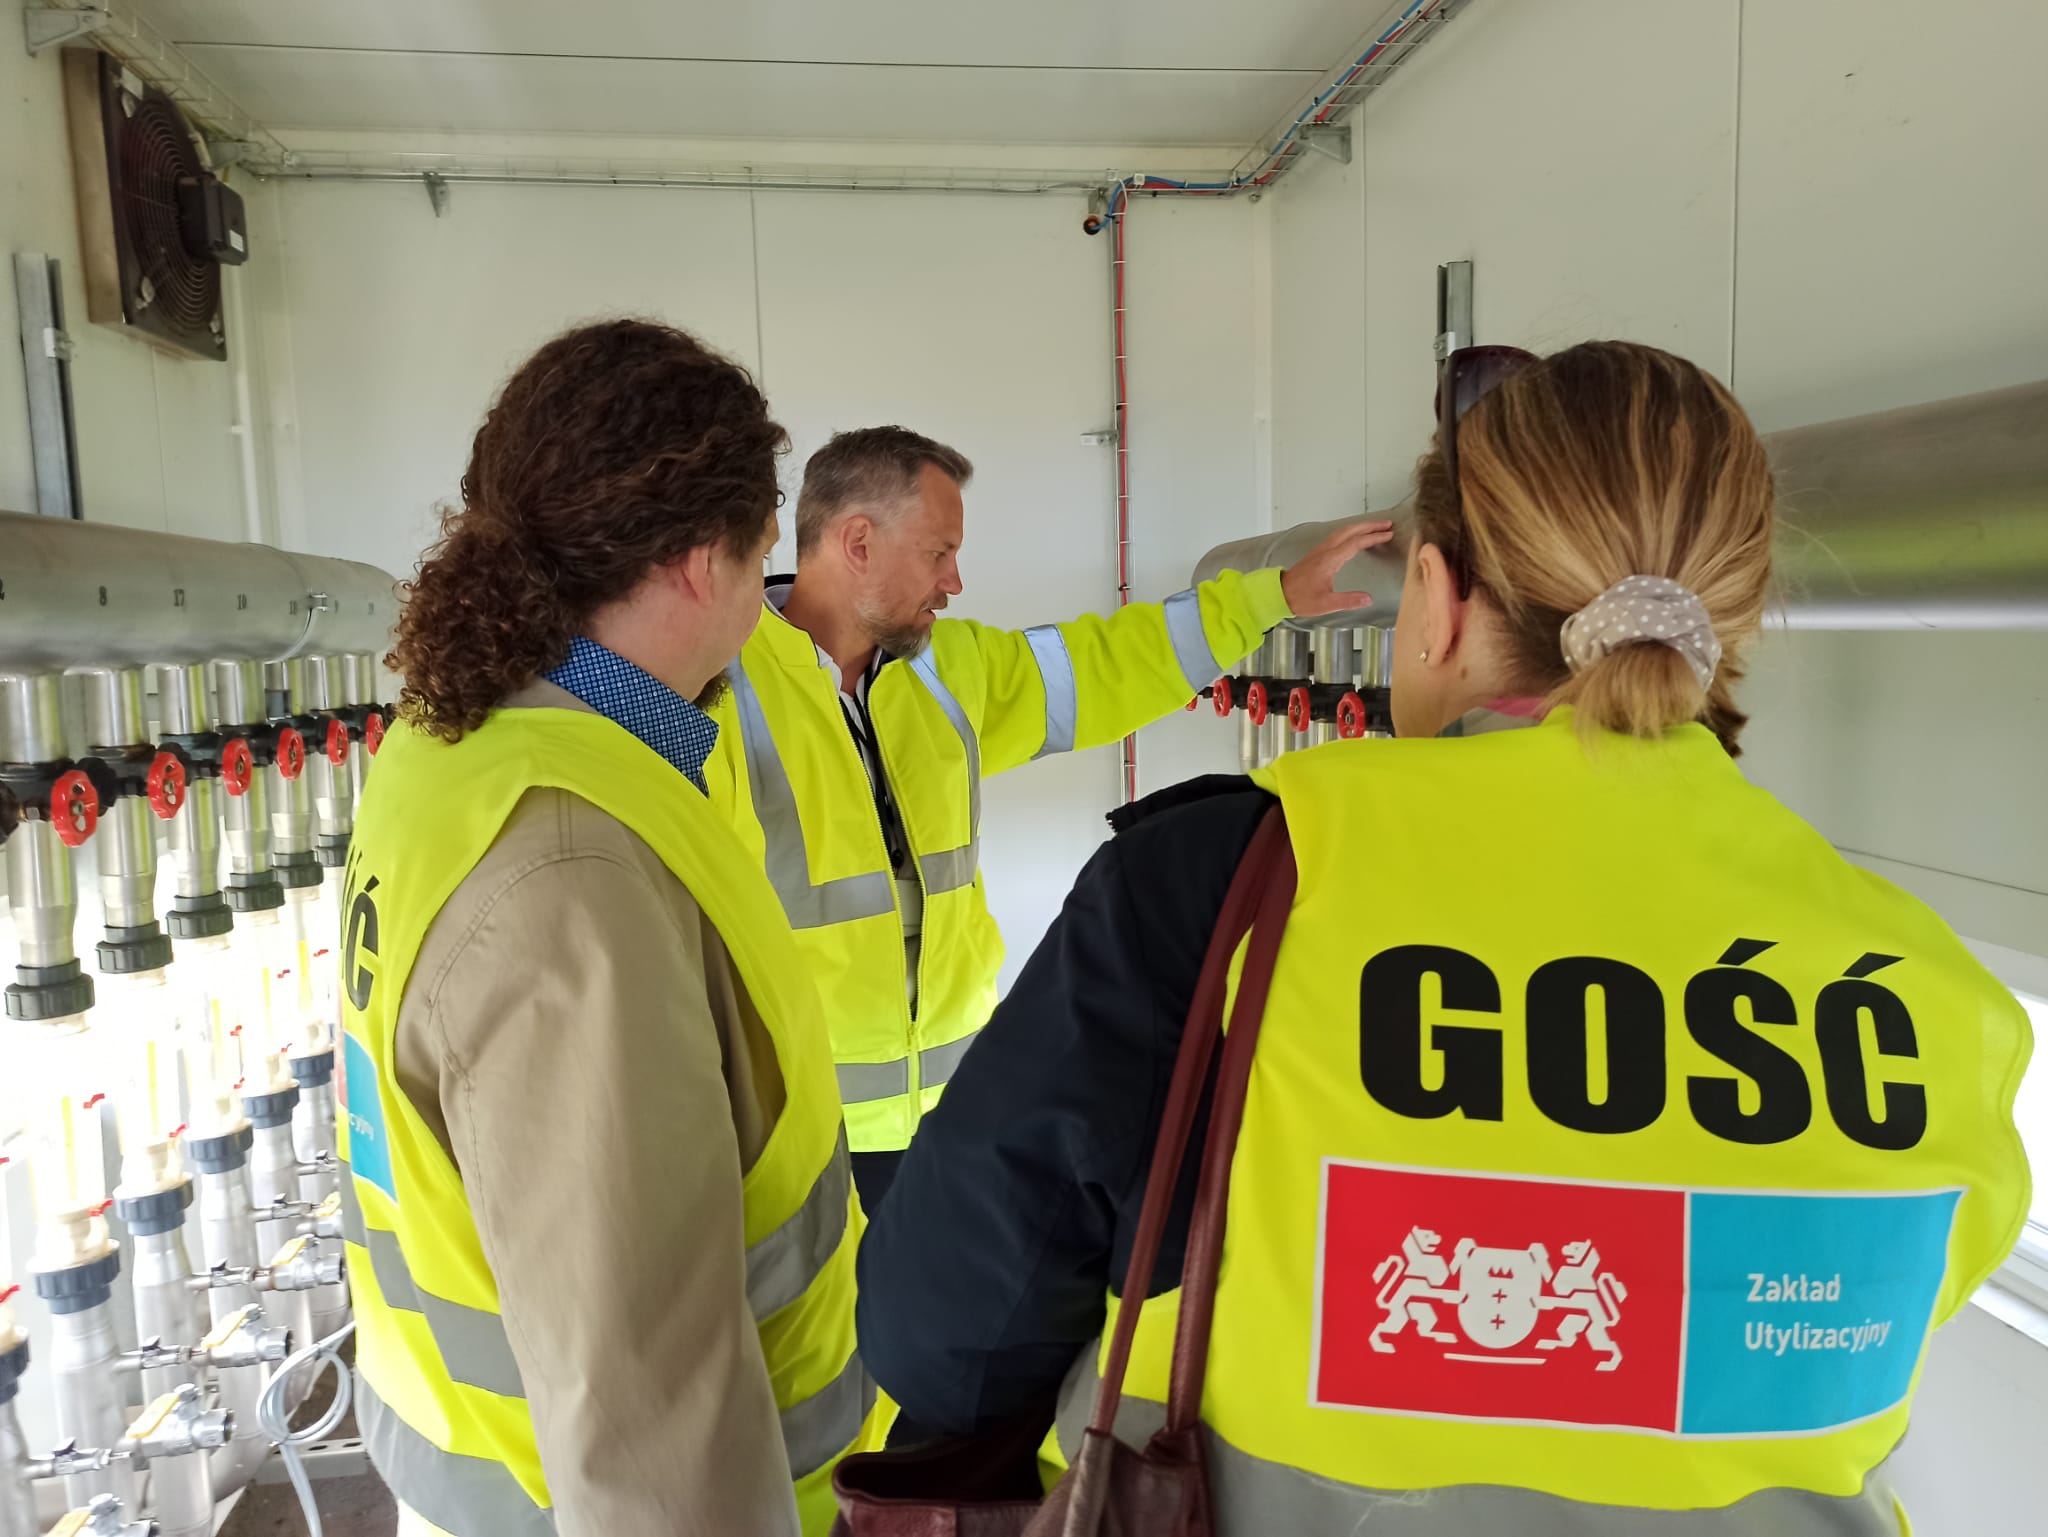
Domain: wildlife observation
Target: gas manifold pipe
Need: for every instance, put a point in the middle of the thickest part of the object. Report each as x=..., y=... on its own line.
x=331, y=782
x=83, y=1353
x=151, y=788
x=291, y=792
x=198, y=910
x=319, y=1170
x=17, y=1494
x=241, y=1351
x=303, y=1267
x=58, y=806
x=249, y=747
x=227, y=1244
x=161, y=1274
x=168, y=1438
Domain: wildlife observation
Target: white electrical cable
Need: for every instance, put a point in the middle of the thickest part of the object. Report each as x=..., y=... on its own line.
x=274, y=1413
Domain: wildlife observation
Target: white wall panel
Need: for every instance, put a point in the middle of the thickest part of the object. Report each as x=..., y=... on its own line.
x=1319, y=299
x=1580, y=155
x=153, y=438
x=980, y=322
x=1868, y=238
x=1894, y=207
x=404, y=324
x=1194, y=481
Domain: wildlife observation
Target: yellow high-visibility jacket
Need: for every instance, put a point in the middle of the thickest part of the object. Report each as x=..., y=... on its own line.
x=440, y=1398
x=976, y=701
x=1612, y=1149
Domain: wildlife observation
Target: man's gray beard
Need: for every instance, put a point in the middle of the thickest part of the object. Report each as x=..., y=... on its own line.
x=712, y=694
x=894, y=641
x=904, y=645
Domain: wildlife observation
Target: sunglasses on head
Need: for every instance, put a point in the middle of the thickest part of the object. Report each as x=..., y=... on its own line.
x=1467, y=377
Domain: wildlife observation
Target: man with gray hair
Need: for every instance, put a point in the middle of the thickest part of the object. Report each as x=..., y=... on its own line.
x=860, y=725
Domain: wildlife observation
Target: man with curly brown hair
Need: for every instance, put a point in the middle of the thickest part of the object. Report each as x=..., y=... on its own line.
x=601, y=1226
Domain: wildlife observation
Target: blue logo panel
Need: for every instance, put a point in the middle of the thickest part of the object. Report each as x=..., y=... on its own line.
x=1807, y=1312
x=369, y=1145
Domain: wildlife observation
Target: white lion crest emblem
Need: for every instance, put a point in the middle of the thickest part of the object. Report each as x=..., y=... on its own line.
x=1499, y=1297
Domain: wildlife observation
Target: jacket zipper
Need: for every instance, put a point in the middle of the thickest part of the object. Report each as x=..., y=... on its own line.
x=910, y=1060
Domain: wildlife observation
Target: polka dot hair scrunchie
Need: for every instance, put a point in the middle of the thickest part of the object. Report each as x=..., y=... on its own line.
x=1643, y=610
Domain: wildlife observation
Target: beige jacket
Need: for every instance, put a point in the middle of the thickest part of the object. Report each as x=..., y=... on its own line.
x=575, y=1034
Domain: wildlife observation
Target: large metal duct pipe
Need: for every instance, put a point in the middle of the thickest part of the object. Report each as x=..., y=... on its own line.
x=1930, y=517
x=99, y=595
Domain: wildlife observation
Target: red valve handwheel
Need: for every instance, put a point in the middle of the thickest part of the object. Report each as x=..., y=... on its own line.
x=166, y=785
x=1219, y=696
x=1298, y=709
x=291, y=753
x=74, y=808
x=237, y=766
x=373, y=733
x=1350, y=717
x=1255, y=702
x=337, y=742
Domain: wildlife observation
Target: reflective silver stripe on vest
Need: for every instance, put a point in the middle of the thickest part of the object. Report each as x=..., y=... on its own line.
x=938, y=1064
x=472, y=1343
x=1198, y=663
x=860, y=1082
x=808, y=906
x=464, y=1496
x=824, y=1425
x=352, y=1230
x=1253, y=1495
x=951, y=869
x=1062, y=697
x=782, y=1266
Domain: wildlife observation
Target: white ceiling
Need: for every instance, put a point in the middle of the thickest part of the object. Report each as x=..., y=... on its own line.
x=1134, y=72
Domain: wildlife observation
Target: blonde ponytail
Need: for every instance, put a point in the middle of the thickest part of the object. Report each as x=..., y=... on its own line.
x=1602, y=475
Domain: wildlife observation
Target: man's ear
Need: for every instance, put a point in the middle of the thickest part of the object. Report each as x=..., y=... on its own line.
x=694, y=574
x=856, y=533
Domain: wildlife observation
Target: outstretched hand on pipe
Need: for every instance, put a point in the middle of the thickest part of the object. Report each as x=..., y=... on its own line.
x=1310, y=584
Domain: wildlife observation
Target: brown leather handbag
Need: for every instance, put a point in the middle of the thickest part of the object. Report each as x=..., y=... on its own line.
x=1112, y=1490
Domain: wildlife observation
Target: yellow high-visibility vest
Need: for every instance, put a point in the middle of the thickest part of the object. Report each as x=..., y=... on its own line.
x=1612, y=1147
x=977, y=701
x=440, y=1400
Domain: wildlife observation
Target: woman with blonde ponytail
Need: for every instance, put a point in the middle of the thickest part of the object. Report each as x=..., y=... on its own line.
x=1593, y=1149
x=1612, y=509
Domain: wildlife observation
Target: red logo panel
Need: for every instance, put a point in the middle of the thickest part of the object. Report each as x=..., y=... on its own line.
x=1481, y=1297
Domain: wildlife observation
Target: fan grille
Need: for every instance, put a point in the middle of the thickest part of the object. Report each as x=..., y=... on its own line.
x=181, y=289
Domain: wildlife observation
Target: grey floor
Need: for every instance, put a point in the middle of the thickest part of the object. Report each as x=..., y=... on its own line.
x=355, y=1506
x=349, y=1507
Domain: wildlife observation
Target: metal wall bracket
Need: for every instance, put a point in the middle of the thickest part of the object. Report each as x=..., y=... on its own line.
x=54, y=26
x=1331, y=139
x=344, y=1458
x=1453, y=308
x=222, y=153
x=437, y=191
x=46, y=353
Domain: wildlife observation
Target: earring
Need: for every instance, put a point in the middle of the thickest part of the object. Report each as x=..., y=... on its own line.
x=1425, y=656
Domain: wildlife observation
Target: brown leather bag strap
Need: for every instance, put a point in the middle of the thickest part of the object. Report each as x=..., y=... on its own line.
x=1226, y=1116
x=1184, y=1096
